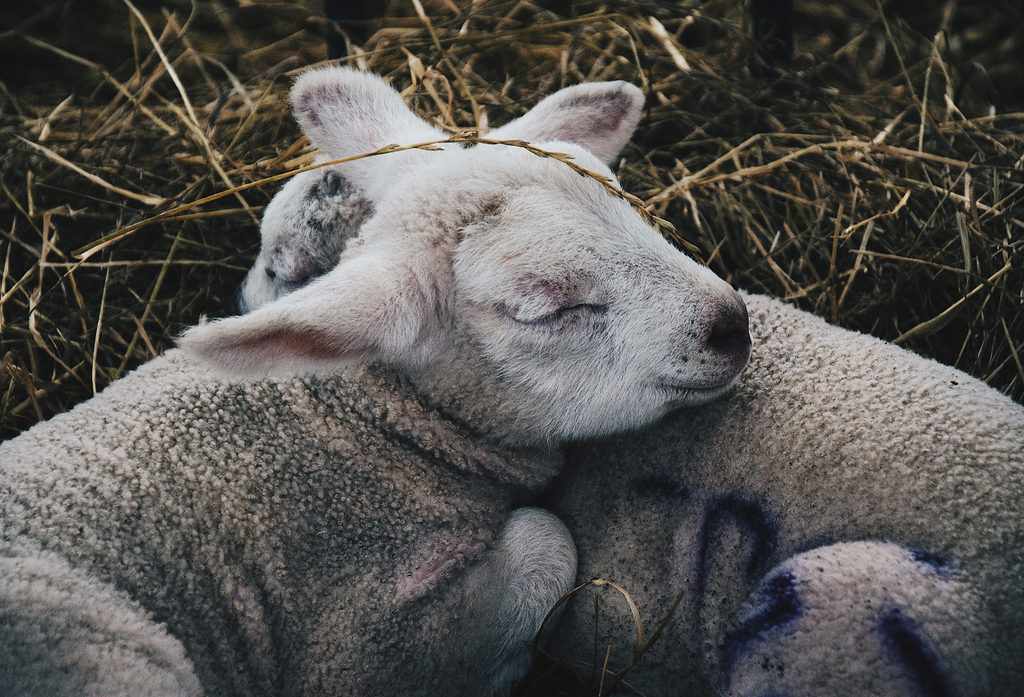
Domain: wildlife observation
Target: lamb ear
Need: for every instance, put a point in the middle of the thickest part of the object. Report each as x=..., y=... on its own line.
x=368, y=308
x=599, y=117
x=347, y=112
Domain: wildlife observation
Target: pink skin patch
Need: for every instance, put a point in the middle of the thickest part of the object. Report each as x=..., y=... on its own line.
x=542, y=298
x=311, y=344
x=418, y=582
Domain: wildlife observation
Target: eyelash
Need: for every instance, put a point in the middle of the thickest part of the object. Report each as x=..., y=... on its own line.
x=561, y=313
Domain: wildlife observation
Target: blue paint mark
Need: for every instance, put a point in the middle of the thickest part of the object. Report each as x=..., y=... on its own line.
x=899, y=633
x=659, y=486
x=753, y=523
x=932, y=559
x=780, y=604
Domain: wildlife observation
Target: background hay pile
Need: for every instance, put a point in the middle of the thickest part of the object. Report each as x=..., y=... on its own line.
x=878, y=183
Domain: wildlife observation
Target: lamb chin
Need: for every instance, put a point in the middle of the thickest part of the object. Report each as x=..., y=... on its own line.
x=695, y=396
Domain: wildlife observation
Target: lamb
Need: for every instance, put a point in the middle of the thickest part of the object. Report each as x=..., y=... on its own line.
x=331, y=494
x=304, y=231
x=847, y=521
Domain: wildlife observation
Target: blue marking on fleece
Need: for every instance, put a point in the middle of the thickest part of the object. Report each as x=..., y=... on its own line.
x=780, y=604
x=932, y=559
x=753, y=523
x=899, y=633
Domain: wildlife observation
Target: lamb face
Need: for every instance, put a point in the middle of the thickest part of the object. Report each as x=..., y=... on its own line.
x=303, y=234
x=588, y=312
x=490, y=270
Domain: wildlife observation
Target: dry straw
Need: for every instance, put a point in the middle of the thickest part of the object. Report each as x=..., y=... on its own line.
x=462, y=138
x=878, y=183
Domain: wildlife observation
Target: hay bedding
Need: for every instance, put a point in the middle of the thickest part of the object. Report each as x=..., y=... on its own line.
x=878, y=183
x=823, y=185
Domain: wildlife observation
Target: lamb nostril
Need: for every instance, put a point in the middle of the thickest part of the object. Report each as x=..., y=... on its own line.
x=731, y=332
x=271, y=274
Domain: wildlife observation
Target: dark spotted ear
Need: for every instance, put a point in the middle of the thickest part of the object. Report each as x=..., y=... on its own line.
x=599, y=117
x=346, y=112
x=370, y=308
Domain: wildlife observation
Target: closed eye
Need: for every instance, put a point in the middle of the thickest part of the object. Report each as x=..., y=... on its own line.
x=562, y=315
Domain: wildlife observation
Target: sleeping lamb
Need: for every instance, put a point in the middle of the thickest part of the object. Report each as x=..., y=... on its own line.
x=847, y=521
x=214, y=523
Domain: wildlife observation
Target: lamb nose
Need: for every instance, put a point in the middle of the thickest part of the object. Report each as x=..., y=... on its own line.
x=730, y=334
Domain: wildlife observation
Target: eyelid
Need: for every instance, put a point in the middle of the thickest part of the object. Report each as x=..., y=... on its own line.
x=561, y=313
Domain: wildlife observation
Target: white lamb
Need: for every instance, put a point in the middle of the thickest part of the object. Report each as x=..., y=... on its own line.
x=357, y=531
x=849, y=521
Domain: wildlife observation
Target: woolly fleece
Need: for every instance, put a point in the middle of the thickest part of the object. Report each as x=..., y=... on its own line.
x=297, y=536
x=830, y=437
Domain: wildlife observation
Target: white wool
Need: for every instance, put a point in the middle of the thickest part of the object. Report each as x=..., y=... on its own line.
x=76, y=635
x=325, y=496
x=885, y=487
x=306, y=226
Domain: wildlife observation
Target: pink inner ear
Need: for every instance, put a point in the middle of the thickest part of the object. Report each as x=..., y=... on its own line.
x=602, y=115
x=306, y=344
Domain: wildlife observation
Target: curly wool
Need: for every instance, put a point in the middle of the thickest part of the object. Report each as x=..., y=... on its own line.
x=263, y=522
x=830, y=437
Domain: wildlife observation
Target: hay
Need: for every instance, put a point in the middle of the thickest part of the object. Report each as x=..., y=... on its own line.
x=878, y=184
x=844, y=186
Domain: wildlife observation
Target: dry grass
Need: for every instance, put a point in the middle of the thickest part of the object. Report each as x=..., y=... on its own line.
x=872, y=185
x=845, y=186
